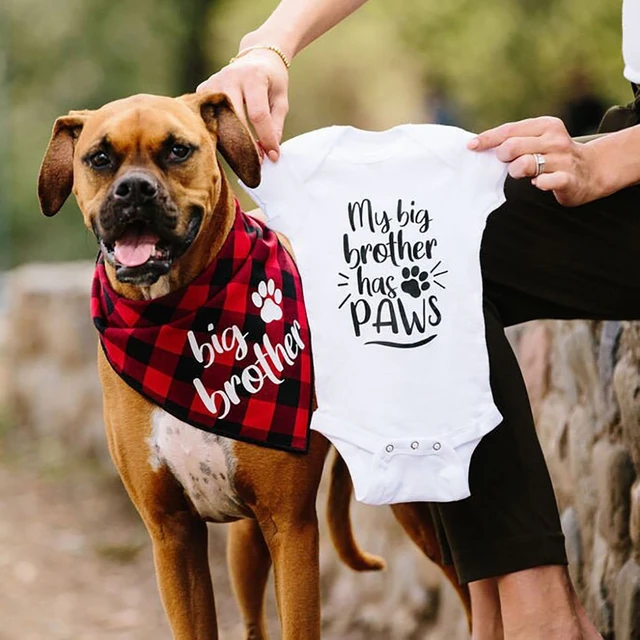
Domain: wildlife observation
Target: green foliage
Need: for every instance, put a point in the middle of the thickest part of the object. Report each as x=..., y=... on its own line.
x=498, y=60
x=64, y=55
x=511, y=59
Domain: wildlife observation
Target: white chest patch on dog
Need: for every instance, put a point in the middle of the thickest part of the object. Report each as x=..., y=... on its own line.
x=203, y=463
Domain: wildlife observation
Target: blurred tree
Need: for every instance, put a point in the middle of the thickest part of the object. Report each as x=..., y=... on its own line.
x=5, y=181
x=195, y=45
x=500, y=60
x=583, y=110
x=507, y=60
x=74, y=54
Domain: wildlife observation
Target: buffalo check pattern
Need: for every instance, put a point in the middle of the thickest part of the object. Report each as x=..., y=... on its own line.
x=148, y=345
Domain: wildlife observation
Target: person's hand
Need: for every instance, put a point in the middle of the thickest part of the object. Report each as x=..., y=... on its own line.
x=569, y=167
x=258, y=81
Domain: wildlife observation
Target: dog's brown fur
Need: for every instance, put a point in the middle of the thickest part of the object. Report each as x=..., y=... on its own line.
x=277, y=490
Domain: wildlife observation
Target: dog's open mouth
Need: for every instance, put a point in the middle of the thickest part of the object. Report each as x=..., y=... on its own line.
x=141, y=255
x=138, y=245
x=138, y=255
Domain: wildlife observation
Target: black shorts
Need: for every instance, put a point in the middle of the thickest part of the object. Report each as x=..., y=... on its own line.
x=540, y=260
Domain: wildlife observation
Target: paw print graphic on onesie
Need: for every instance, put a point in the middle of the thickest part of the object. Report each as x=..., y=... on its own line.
x=267, y=298
x=415, y=281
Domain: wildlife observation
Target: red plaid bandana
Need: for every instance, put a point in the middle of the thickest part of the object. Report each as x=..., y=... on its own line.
x=230, y=353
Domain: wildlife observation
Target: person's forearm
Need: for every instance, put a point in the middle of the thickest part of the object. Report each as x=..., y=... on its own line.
x=616, y=160
x=296, y=23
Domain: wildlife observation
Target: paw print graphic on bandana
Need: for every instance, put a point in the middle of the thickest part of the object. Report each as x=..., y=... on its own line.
x=267, y=298
x=415, y=281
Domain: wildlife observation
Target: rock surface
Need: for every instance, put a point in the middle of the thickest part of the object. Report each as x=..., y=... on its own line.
x=589, y=426
x=51, y=357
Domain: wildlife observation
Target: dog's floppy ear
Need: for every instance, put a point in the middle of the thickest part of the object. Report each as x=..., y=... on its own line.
x=234, y=141
x=55, y=179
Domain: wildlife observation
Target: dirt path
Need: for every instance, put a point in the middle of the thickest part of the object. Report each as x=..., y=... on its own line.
x=75, y=563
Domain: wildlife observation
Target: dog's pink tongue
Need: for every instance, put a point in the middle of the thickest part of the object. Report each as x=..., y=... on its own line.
x=135, y=248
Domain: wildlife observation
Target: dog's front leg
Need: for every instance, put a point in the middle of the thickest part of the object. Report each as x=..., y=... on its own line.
x=180, y=553
x=180, y=549
x=249, y=565
x=293, y=544
x=281, y=489
x=178, y=534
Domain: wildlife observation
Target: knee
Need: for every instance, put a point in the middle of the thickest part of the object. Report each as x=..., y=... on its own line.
x=177, y=529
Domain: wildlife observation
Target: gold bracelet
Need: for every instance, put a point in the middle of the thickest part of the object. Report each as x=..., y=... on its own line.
x=270, y=47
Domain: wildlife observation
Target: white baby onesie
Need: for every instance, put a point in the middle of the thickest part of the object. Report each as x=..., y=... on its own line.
x=386, y=230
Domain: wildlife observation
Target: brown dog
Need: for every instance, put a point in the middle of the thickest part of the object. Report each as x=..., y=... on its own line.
x=163, y=151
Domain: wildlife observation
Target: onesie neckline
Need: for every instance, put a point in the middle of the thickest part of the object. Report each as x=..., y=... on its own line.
x=361, y=146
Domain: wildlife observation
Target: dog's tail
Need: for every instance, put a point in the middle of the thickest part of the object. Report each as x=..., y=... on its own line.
x=338, y=516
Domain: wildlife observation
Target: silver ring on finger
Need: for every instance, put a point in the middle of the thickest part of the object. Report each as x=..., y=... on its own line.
x=540, y=163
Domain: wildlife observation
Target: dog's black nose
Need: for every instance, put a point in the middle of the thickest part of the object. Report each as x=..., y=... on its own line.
x=135, y=188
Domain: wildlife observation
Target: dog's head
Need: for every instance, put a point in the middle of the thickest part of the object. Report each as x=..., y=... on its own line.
x=145, y=174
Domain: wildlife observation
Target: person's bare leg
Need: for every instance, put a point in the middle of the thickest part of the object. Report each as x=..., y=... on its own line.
x=486, y=618
x=540, y=603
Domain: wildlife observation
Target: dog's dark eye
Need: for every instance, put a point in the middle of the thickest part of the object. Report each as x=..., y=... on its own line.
x=99, y=160
x=179, y=152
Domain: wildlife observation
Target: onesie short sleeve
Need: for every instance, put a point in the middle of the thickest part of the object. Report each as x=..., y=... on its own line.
x=282, y=192
x=491, y=174
x=483, y=173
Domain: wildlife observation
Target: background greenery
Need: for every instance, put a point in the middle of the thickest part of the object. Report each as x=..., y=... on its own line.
x=497, y=59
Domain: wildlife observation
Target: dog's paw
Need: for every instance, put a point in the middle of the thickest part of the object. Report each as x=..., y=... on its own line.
x=415, y=281
x=267, y=298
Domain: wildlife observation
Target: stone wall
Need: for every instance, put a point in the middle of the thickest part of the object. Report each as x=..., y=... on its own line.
x=584, y=383
x=50, y=354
